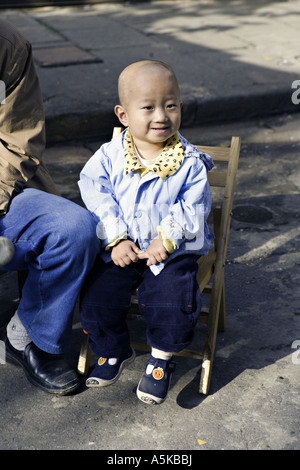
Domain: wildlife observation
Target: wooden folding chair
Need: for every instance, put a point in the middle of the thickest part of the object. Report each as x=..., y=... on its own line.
x=210, y=275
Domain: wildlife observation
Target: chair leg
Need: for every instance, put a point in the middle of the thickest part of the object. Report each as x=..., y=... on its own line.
x=84, y=356
x=207, y=362
x=205, y=371
x=222, y=313
x=211, y=333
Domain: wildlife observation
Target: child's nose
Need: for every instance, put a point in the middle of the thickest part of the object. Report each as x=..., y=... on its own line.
x=160, y=114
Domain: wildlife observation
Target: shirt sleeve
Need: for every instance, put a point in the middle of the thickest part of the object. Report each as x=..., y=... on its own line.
x=186, y=217
x=98, y=195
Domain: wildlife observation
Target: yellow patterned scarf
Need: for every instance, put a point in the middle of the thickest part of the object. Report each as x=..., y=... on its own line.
x=167, y=163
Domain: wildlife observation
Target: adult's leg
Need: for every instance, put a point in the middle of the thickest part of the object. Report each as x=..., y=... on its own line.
x=7, y=250
x=55, y=240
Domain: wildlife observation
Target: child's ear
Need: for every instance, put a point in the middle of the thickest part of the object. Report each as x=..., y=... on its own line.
x=121, y=114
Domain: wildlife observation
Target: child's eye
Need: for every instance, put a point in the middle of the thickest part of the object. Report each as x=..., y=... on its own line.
x=148, y=108
x=170, y=106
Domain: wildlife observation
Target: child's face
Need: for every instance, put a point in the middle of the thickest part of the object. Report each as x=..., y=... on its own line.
x=152, y=110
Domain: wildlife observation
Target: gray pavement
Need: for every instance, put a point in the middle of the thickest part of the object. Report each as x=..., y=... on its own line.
x=232, y=59
x=254, y=399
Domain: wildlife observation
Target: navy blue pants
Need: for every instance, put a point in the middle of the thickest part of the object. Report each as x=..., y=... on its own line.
x=170, y=303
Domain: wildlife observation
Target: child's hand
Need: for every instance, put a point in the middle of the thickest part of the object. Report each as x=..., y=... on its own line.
x=125, y=253
x=156, y=252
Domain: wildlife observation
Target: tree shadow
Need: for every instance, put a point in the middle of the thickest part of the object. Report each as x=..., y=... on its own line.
x=220, y=52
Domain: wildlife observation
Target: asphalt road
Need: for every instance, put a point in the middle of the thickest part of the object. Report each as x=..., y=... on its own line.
x=254, y=399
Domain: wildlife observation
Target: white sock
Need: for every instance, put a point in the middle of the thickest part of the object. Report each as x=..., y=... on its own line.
x=158, y=354
x=17, y=334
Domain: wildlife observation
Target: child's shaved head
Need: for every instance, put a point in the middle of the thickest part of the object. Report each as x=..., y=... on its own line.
x=132, y=73
x=149, y=105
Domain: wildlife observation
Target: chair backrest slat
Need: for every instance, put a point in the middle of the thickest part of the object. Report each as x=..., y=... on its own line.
x=218, y=154
x=217, y=179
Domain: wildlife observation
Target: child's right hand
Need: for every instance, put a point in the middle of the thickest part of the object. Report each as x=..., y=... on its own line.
x=124, y=253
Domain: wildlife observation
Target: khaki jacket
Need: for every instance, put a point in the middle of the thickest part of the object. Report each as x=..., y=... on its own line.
x=22, y=122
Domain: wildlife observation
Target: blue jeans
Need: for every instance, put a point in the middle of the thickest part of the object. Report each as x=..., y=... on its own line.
x=55, y=240
x=170, y=303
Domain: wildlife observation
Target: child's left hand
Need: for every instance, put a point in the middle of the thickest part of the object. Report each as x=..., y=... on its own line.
x=156, y=252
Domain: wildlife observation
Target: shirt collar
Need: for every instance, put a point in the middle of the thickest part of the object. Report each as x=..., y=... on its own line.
x=167, y=163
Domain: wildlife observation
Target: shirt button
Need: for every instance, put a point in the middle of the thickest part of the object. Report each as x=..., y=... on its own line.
x=138, y=214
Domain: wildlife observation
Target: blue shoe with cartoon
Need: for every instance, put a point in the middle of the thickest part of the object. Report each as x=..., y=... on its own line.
x=107, y=371
x=154, y=384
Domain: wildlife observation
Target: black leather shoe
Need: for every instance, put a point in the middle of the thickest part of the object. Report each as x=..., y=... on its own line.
x=50, y=372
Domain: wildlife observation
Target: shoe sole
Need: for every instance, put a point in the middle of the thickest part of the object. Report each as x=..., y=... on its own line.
x=63, y=391
x=97, y=382
x=148, y=398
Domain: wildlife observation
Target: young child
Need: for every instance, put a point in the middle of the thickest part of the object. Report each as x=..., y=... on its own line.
x=148, y=190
